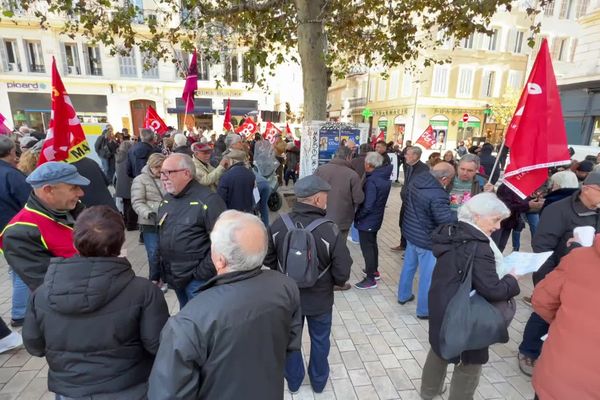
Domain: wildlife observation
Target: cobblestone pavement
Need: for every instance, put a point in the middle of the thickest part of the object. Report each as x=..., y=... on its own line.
x=378, y=347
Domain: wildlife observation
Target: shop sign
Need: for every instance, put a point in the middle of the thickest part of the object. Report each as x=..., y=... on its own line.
x=392, y=112
x=31, y=86
x=469, y=124
x=208, y=92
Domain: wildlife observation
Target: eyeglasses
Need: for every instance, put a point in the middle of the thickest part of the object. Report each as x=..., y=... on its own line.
x=167, y=173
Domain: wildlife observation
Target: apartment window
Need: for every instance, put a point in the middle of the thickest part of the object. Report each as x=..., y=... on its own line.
x=149, y=66
x=565, y=9
x=35, y=56
x=443, y=38
x=249, y=69
x=441, y=74
x=549, y=9
x=491, y=41
x=92, y=61
x=582, y=8
x=372, y=88
x=467, y=42
x=127, y=64
x=138, y=6
x=10, y=55
x=559, y=49
x=518, y=45
x=573, y=50
x=394, y=84
x=487, y=83
x=382, y=89
x=70, y=54
x=231, y=68
x=465, y=82
x=515, y=80
x=407, y=84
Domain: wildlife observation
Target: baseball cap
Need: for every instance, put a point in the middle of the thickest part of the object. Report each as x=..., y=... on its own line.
x=585, y=166
x=309, y=186
x=53, y=172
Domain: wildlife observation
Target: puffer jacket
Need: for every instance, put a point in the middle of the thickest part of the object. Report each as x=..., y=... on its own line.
x=377, y=189
x=97, y=324
x=146, y=194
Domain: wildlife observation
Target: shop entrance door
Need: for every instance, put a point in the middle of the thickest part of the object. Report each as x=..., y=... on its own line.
x=138, y=114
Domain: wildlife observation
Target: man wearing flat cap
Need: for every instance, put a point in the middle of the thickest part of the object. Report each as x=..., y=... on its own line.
x=206, y=174
x=44, y=227
x=316, y=301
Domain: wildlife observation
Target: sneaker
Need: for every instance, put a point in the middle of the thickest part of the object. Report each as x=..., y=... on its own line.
x=526, y=364
x=15, y=323
x=377, y=274
x=366, y=284
x=10, y=342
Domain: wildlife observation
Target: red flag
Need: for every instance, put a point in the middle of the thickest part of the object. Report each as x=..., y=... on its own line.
x=65, y=140
x=248, y=128
x=191, y=85
x=288, y=131
x=270, y=132
x=4, y=130
x=227, y=123
x=427, y=138
x=155, y=122
x=536, y=135
x=378, y=138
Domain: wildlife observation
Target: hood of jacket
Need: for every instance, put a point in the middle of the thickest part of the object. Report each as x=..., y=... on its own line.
x=445, y=237
x=383, y=172
x=80, y=285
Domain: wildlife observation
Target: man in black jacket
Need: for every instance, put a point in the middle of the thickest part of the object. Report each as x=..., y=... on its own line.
x=106, y=147
x=96, y=193
x=137, y=156
x=231, y=341
x=185, y=219
x=317, y=301
x=412, y=166
x=553, y=233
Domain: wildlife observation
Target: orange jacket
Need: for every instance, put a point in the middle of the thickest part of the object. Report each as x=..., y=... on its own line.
x=568, y=298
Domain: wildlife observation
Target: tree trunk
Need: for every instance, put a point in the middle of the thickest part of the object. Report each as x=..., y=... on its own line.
x=311, y=48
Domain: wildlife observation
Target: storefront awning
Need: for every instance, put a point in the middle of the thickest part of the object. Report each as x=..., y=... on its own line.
x=40, y=102
x=201, y=106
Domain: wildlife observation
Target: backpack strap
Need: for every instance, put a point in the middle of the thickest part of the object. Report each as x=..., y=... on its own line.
x=289, y=224
x=316, y=223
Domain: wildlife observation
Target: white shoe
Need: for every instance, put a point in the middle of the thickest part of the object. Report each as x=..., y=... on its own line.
x=10, y=342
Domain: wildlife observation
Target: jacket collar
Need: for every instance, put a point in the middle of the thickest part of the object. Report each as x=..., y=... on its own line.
x=185, y=190
x=303, y=208
x=230, y=277
x=337, y=161
x=7, y=165
x=580, y=208
x=65, y=217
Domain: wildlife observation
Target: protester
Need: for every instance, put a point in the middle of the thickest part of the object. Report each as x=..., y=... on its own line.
x=488, y=161
x=106, y=148
x=43, y=228
x=469, y=238
x=233, y=141
x=139, y=153
x=583, y=169
x=461, y=150
x=123, y=184
x=181, y=144
x=237, y=184
x=567, y=299
x=185, y=220
x=147, y=192
x=369, y=216
x=206, y=174
x=280, y=147
x=242, y=316
x=433, y=159
x=358, y=162
x=316, y=301
x=562, y=184
x=28, y=160
x=97, y=324
x=449, y=158
x=381, y=148
x=292, y=159
x=96, y=193
x=427, y=207
x=413, y=166
x=556, y=227
x=467, y=182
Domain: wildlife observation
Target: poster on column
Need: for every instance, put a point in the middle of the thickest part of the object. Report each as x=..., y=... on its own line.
x=349, y=133
x=329, y=142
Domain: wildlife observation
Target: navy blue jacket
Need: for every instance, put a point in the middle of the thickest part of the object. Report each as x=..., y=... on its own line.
x=14, y=192
x=137, y=157
x=377, y=189
x=427, y=207
x=235, y=188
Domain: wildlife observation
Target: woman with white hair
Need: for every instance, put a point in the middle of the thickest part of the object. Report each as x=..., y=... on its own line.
x=467, y=239
x=562, y=185
x=181, y=145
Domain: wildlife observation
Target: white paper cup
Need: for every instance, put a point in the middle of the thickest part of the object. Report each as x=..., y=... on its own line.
x=584, y=235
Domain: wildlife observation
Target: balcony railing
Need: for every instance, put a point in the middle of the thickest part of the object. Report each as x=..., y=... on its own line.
x=358, y=102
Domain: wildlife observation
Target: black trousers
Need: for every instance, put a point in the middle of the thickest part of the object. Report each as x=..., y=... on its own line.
x=402, y=239
x=129, y=216
x=4, y=331
x=370, y=252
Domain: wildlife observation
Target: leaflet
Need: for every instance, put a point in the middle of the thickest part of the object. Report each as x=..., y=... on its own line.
x=524, y=263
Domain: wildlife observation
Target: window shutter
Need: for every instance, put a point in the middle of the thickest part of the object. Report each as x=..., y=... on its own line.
x=3, y=55
x=63, y=53
x=86, y=60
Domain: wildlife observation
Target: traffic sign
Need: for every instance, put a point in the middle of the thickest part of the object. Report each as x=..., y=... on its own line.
x=465, y=117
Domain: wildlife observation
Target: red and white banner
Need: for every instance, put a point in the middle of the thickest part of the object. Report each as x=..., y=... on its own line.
x=377, y=138
x=227, y=126
x=270, y=132
x=155, y=122
x=4, y=130
x=536, y=136
x=65, y=140
x=248, y=128
x=427, y=138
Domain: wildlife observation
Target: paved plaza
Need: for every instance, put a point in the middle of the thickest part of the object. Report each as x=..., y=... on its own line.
x=378, y=347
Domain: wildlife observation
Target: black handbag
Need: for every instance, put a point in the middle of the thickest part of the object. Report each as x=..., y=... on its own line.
x=470, y=322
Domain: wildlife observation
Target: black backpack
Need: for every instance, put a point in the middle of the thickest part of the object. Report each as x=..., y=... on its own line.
x=300, y=261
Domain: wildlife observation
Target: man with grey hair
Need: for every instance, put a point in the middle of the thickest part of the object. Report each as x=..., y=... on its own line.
x=427, y=207
x=185, y=218
x=231, y=341
x=467, y=182
x=234, y=141
x=137, y=156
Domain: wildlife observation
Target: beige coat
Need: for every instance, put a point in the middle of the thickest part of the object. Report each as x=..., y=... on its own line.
x=146, y=194
x=208, y=175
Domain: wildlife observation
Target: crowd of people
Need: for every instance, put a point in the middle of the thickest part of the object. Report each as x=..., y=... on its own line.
x=245, y=286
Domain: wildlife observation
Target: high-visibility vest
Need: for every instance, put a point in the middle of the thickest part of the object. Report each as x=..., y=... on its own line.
x=55, y=237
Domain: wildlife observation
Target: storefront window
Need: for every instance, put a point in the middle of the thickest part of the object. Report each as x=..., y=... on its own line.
x=596, y=133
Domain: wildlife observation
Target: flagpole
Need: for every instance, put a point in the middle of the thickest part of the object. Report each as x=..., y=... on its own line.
x=184, y=120
x=497, y=160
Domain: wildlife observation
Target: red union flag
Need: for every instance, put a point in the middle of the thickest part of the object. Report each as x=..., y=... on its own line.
x=155, y=122
x=4, y=130
x=536, y=136
x=191, y=85
x=270, y=132
x=227, y=126
x=65, y=140
x=427, y=138
x=377, y=138
x=248, y=128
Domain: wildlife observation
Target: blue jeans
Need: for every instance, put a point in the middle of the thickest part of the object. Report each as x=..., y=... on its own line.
x=20, y=297
x=151, y=245
x=319, y=329
x=263, y=205
x=533, y=219
x=536, y=327
x=423, y=259
x=108, y=167
x=189, y=292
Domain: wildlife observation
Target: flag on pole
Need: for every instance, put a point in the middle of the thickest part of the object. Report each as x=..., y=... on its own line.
x=378, y=138
x=427, y=138
x=65, y=140
x=288, y=131
x=227, y=123
x=536, y=136
x=191, y=85
x=270, y=132
x=4, y=130
x=248, y=128
x=154, y=122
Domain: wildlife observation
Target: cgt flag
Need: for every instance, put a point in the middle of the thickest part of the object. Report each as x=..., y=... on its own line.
x=227, y=126
x=427, y=138
x=191, y=85
x=248, y=128
x=65, y=140
x=536, y=136
x=377, y=138
x=270, y=132
x=155, y=122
